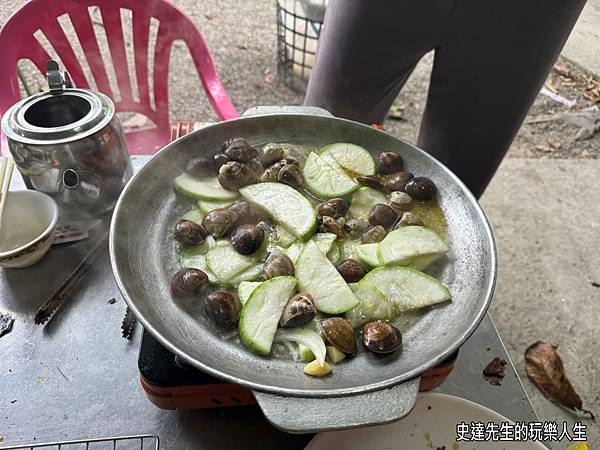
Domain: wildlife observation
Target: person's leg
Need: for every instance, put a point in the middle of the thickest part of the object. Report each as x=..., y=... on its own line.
x=487, y=72
x=367, y=50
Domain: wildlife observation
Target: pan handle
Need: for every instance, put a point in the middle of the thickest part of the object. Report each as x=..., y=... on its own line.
x=311, y=415
x=264, y=110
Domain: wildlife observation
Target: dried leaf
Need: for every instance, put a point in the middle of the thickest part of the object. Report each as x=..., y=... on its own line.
x=396, y=112
x=546, y=371
x=494, y=372
x=550, y=87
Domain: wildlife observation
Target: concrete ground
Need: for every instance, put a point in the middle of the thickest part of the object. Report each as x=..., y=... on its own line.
x=544, y=211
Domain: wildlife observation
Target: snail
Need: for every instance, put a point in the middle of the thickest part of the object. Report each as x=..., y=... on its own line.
x=421, y=188
x=397, y=181
x=331, y=225
x=244, y=212
x=351, y=270
x=234, y=175
x=223, y=307
x=292, y=175
x=383, y=215
x=188, y=232
x=409, y=218
x=277, y=264
x=372, y=181
x=298, y=311
x=246, y=239
x=237, y=149
x=339, y=333
x=335, y=207
x=219, y=222
x=201, y=166
x=271, y=153
x=400, y=201
x=373, y=235
x=381, y=337
x=356, y=227
x=189, y=283
x=272, y=173
x=389, y=162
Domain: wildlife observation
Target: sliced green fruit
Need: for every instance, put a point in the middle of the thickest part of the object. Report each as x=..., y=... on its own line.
x=351, y=157
x=324, y=241
x=260, y=314
x=326, y=180
x=286, y=205
x=348, y=248
x=334, y=255
x=401, y=246
x=250, y=274
x=202, y=188
x=368, y=254
x=293, y=251
x=363, y=200
x=225, y=262
x=317, y=276
x=407, y=288
x=305, y=353
x=373, y=306
x=284, y=237
x=195, y=257
x=195, y=215
x=306, y=338
x=206, y=206
x=246, y=288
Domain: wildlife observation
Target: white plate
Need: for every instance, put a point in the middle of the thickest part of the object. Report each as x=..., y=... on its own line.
x=430, y=425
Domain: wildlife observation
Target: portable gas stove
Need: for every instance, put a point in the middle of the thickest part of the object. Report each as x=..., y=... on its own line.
x=171, y=383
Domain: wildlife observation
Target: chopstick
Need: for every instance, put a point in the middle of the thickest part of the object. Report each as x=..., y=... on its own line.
x=6, y=170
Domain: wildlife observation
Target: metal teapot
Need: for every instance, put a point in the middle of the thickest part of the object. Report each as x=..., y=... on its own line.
x=68, y=143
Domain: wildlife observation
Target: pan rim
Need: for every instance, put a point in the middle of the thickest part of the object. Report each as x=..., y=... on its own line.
x=330, y=391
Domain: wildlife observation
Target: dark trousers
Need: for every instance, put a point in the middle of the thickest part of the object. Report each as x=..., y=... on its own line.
x=491, y=59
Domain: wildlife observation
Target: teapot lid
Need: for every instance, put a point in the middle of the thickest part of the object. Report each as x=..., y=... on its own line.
x=61, y=114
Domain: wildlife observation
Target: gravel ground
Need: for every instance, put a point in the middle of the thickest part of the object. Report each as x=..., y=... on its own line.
x=242, y=38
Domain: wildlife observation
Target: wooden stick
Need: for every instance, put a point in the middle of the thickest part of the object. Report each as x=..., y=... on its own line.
x=6, y=171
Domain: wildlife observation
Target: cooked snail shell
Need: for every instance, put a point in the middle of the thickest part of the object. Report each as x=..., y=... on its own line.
x=409, y=218
x=246, y=239
x=397, y=181
x=372, y=181
x=381, y=337
x=339, y=333
x=223, y=307
x=292, y=175
x=238, y=149
x=234, y=175
x=244, y=212
x=421, y=188
x=383, y=215
x=277, y=264
x=219, y=222
x=188, y=232
x=351, y=270
x=373, y=235
x=400, y=201
x=298, y=311
x=389, y=162
x=201, y=166
x=189, y=283
x=271, y=153
x=335, y=207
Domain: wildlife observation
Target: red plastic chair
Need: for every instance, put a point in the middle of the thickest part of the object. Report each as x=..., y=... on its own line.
x=18, y=42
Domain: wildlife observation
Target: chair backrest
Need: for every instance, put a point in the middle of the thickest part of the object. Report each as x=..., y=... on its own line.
x=18, y=41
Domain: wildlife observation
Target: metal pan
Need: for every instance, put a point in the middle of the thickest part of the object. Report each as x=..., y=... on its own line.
x=364, y=390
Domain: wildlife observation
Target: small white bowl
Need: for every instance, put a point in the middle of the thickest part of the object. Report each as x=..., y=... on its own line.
x=27, y=229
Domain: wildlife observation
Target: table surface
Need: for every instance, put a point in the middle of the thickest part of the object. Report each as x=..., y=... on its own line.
x=77, y=377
